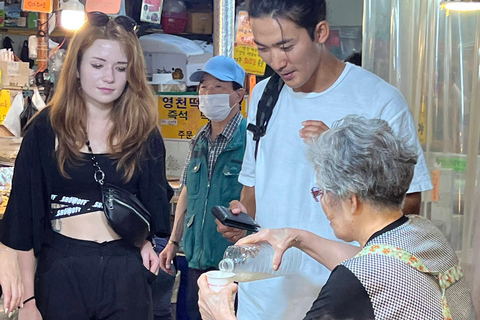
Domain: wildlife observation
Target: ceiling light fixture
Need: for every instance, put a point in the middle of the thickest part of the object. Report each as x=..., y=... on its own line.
x=460, y=5
x=72, y=15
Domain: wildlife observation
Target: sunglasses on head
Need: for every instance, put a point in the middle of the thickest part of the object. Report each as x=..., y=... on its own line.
x=100, y=19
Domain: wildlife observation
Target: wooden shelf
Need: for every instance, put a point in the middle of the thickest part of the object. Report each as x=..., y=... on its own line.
x=18, y=31
x=58, y=32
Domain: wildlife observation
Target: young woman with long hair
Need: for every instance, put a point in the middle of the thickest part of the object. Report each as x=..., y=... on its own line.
x=72, y=261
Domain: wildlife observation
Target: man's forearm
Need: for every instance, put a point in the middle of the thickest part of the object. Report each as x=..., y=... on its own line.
x=180, y=212
x=412, y=203
x=247, y=198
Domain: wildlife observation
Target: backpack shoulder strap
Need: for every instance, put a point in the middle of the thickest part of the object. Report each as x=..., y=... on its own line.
x=265, y=108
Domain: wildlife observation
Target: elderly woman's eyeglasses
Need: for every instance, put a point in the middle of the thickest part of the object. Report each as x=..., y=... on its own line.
x=100, y=19
x=317, y=194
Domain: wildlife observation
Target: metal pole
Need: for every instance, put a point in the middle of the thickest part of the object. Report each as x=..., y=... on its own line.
x=42, y=42
x=223, y=27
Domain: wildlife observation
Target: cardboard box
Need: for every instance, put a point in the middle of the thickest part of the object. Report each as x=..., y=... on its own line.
x=200, y=22
x=4, y=132
x=14, y=73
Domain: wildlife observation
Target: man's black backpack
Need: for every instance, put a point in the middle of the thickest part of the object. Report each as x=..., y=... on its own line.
x=265, y=108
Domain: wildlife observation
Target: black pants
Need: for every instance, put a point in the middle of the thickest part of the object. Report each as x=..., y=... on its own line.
x=162, y=287
x=85, y=280
x=192, y=293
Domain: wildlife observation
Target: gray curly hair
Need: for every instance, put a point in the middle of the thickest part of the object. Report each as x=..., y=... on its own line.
x=363, y=157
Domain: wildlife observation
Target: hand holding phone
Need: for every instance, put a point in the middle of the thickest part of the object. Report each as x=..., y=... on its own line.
x=241, y=221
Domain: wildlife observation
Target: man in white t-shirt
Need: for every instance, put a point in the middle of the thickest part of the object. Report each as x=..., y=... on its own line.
x=318, y=90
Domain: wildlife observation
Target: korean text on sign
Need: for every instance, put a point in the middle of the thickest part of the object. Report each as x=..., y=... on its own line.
x=37, y=5
x=249, y=59
x=179, y=116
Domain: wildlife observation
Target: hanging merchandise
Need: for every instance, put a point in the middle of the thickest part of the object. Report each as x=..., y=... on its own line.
x=12, y=119
x=38, y=100
x=24, y=56
x=27, y=114
x=105, y=6
x=18, y=115
x=7, y=43
x=34, y=104
x=32, y=47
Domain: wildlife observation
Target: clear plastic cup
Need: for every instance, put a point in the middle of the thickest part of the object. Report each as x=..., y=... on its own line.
x=217, y=280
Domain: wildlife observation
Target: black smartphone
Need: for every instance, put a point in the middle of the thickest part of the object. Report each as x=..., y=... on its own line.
x=241, y=221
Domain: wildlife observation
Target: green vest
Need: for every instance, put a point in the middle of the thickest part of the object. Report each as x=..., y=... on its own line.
x=202, y=243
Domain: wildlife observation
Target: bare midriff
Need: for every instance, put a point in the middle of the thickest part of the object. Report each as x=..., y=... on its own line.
x=92, y=226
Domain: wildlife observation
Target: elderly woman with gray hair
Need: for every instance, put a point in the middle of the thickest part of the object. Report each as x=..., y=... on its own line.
x=404, y=269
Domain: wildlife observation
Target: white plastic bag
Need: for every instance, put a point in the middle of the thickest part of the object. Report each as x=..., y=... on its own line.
x=37, y=100
x=12, y=119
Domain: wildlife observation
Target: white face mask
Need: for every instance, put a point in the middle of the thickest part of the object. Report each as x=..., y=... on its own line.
x=215, y=107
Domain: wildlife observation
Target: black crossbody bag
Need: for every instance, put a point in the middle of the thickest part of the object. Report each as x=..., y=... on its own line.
x=125, y=213
x=265, y=108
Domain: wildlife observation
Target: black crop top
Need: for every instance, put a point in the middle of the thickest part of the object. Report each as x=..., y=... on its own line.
x=81, y=193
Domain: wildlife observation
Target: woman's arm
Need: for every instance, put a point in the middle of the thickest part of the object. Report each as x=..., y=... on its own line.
x=170, y=250
x=330, y=253
x=155, y=191
x=27, y=262
x=10, y=279
x=22, y=224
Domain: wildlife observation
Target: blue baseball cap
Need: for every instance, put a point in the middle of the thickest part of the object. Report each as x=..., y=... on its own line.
x=222, y=68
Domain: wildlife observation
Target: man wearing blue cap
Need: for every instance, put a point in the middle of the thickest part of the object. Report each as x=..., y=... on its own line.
x=210, y=176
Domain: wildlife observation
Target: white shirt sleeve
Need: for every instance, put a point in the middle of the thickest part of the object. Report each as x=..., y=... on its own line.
x=247, y=175
x=398, y=115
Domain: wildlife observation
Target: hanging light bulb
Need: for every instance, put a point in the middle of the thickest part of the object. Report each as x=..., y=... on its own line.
x=72, y=15
x=461, y=5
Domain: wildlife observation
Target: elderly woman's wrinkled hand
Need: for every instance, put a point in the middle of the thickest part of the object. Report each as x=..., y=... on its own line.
x=10, y=279
x=280, y=239
x=311, y=130
x=216, y=305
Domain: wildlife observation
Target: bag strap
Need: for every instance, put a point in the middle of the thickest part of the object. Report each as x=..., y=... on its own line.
x=98, y=175
x=444, y=279
x=265, y=108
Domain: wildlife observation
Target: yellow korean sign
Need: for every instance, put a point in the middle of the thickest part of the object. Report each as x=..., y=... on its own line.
x=4, y=104
x=244, y=35
x=249, y=59
x=246, y=53
x=179, y=116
